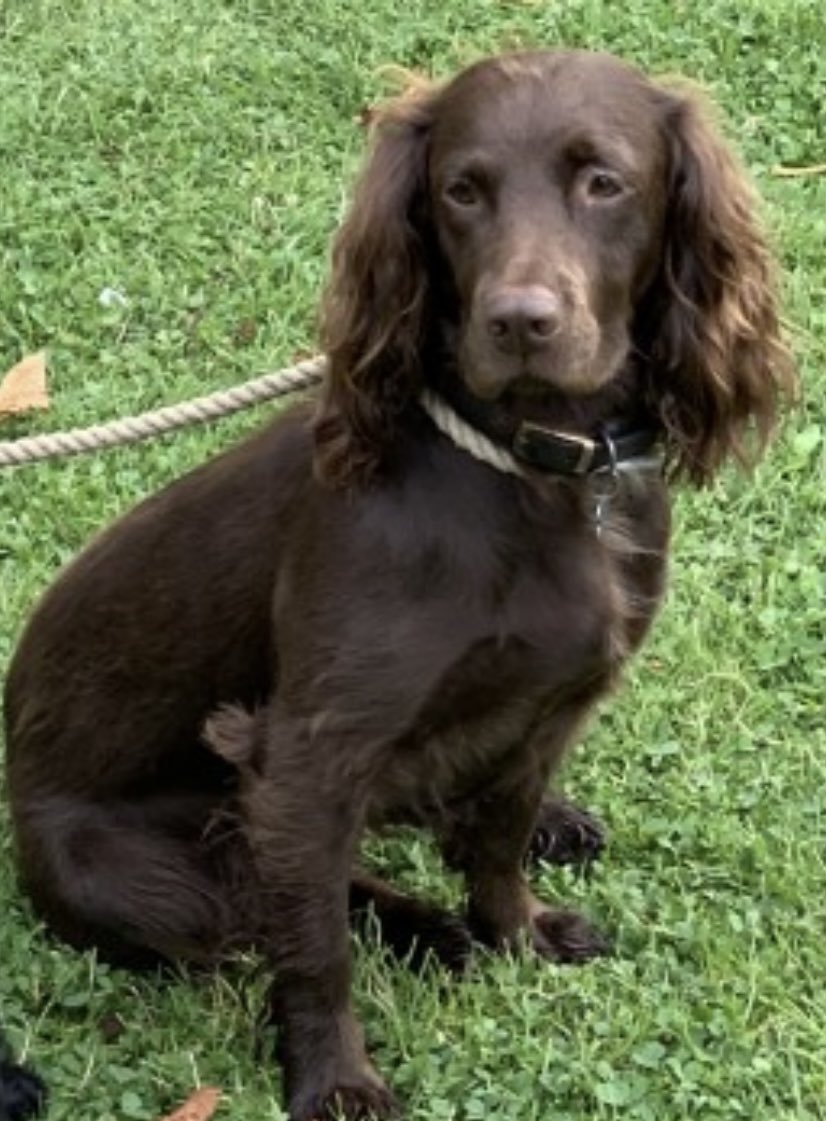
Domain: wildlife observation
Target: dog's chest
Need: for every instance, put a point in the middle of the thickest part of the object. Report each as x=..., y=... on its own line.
x=489, y=693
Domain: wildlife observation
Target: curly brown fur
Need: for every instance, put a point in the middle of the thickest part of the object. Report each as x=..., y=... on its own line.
x=376, y=304
x=550, y=238
x=719, y=368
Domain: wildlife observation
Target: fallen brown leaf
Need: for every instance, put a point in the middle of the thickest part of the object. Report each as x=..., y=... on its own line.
x=200, y=1106
x=24, y=386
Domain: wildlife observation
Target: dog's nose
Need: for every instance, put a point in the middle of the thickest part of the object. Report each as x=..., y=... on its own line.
x=523, y=319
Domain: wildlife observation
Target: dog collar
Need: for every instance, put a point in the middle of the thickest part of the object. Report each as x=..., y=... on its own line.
x=535, y=447
x=563, y=453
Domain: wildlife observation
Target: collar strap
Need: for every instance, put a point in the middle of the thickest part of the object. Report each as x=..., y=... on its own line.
x=548, y=450
x=563, y=453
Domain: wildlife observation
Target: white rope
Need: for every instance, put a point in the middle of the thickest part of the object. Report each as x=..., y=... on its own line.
x=292, y=379
x=31, y=449
x=468, y=439
x=129, y=430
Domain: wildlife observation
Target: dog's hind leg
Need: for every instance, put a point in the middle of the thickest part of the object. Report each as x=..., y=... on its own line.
x=412, y=929
x=133, y=879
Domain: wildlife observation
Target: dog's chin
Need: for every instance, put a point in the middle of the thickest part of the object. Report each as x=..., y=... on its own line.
x=531, y=381
x=578, y=366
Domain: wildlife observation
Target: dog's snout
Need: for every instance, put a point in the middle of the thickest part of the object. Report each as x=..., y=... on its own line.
x=523, y=319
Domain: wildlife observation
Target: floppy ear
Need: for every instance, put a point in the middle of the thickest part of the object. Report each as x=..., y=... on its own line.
x=720, y=367
x=375, y=306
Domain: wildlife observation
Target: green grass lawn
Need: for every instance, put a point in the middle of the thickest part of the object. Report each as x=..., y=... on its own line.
x=195, y=156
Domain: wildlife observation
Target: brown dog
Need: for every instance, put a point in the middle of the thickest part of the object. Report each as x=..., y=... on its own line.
x=564, y=257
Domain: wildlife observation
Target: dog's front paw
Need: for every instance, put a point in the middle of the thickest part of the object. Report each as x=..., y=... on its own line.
x=359, y=1100
x=565, y=834
x=566, y=937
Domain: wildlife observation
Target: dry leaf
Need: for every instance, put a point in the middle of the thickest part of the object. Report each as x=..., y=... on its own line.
x=24, y=386
x=199, y=1107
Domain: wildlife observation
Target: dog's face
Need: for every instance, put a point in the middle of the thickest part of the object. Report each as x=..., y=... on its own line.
x=533, y=223
x=547, y=187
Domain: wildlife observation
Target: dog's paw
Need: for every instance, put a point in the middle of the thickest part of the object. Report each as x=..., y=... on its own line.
x=416, y=933
x=567, y=938
x=363, y=1101
x=431, y=933
x=565, y=834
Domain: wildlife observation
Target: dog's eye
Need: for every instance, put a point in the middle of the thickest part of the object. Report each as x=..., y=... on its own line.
x=601, y=184
x=463, y=192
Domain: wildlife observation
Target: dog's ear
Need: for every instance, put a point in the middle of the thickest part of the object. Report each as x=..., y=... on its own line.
x=720, y=365
x=374, y=311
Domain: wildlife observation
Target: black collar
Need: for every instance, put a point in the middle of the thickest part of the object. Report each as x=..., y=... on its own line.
x=564, y=453
x=600, y=445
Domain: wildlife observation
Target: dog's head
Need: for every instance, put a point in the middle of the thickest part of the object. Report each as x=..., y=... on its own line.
x=556, y=215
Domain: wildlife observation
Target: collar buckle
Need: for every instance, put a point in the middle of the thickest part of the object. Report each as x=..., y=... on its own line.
x=562, y=452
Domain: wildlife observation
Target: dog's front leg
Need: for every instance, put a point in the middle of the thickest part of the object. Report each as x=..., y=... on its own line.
x=489, y=843
x=304, y=817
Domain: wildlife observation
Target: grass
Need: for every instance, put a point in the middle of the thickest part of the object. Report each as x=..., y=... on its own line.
x=193, y=156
